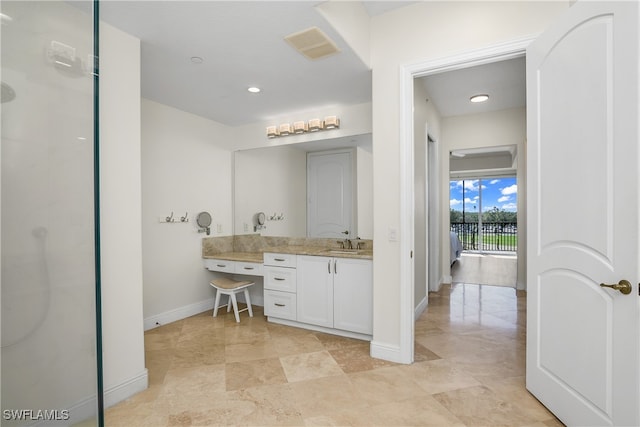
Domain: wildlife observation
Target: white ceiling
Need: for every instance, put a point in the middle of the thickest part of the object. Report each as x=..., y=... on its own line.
x=503, y=81
x=241, y=43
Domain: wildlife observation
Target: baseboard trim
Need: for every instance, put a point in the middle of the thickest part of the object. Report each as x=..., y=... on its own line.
x=177, y=314
x=386, y=352
x=422, y=306
x=86, y=408
x=126, y=389
x=191, y=310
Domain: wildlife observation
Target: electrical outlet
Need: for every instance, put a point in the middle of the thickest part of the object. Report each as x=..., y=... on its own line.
x=219, y=228
x=246, y=227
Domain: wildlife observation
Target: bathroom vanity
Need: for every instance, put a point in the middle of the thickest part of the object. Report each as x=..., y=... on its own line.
x=312, y=287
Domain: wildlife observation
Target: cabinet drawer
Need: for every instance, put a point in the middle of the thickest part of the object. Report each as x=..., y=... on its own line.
x=281, y=260
x=251, y=268
x=280, y=278
x=280, y=304
x=219, y=265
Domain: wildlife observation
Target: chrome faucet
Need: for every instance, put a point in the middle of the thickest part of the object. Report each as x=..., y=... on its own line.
x=345, y=244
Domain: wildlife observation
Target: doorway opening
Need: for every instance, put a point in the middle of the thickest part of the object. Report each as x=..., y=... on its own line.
x=410, y=83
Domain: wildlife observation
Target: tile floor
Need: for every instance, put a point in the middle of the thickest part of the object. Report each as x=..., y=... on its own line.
x=469, y=370
x=499, y=269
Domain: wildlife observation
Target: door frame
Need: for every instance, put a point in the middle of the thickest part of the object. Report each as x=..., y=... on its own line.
x=493, y=53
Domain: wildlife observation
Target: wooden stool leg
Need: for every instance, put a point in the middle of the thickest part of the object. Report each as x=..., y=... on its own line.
x=235, y=306
x=229, y=302
x=248, y=300
x=215, y=304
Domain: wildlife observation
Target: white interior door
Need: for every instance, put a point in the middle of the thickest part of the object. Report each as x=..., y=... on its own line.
x=331, y=194
x=582, y=93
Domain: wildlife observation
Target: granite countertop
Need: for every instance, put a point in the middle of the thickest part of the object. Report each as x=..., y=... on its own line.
x=321, y=251
x=294, y=250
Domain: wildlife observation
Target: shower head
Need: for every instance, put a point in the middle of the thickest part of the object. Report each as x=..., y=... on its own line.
x=7, y=94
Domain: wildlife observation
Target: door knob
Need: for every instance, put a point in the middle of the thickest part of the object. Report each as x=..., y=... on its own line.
x=623, y=286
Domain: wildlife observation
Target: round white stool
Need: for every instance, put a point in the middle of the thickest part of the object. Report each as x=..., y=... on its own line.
x=230, y=287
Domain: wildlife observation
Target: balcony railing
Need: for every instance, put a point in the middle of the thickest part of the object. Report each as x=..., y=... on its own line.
x=495, y=236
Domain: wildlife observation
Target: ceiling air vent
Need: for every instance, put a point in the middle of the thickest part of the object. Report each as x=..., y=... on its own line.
x=312, y=43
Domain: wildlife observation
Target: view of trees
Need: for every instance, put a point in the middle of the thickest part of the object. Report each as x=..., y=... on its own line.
x=492, y=215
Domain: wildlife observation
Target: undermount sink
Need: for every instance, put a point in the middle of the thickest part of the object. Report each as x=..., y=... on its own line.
x=344, y=251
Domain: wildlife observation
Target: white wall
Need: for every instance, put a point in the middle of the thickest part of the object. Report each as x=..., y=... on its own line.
x=498, y=128
x=120, y=213
x=426, y=119
x=271, y=180
x=417, y=33
x=185, y=169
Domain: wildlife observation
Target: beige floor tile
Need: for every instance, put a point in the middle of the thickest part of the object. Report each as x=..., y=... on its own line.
x=190, y=388
x=190, y=356
x=479, y=406
x=422, y=353
x=246, y=334
x=334, y=342
x=272, y=405
x=306, y=366
x=326, y=396
x=384, y=385
x=239, y=375
x=438, y=376
x=250, y=351
x=418, y=411
x=513, y=389
x=356, y=358
x=205, y=335
x=161, y=341
x=301, y=343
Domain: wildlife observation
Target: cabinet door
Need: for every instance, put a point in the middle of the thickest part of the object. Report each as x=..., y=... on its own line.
x=353, y=295
x=315, y=290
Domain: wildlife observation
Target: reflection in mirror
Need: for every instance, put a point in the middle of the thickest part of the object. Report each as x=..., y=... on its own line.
x=273, y=180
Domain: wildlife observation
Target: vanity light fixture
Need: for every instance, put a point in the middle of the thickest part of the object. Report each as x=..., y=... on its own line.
x=285, y=129
x=315, y=125
x=300, y=127
x=272, y=132
x=331, y=122
x=483, y=97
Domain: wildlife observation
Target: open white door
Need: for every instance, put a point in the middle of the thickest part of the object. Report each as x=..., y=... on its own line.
x=583, y=353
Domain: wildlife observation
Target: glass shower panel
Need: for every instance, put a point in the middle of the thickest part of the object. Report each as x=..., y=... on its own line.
x=49, y=371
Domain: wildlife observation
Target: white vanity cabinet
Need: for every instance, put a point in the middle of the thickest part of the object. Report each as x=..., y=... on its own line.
x=335, y=293
x=315, y=290
x=236, y=267
x=353, y=295
x=280, y=286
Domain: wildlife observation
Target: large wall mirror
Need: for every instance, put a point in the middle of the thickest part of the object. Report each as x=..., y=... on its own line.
x=273, y=180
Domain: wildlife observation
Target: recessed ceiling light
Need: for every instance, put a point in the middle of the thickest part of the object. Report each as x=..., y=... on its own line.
x=479, y=98
x=197, y=60
x=254, y=89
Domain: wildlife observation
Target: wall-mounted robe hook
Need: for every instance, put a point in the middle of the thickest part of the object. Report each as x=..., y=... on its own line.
x=170, y=217
x=184, y=218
